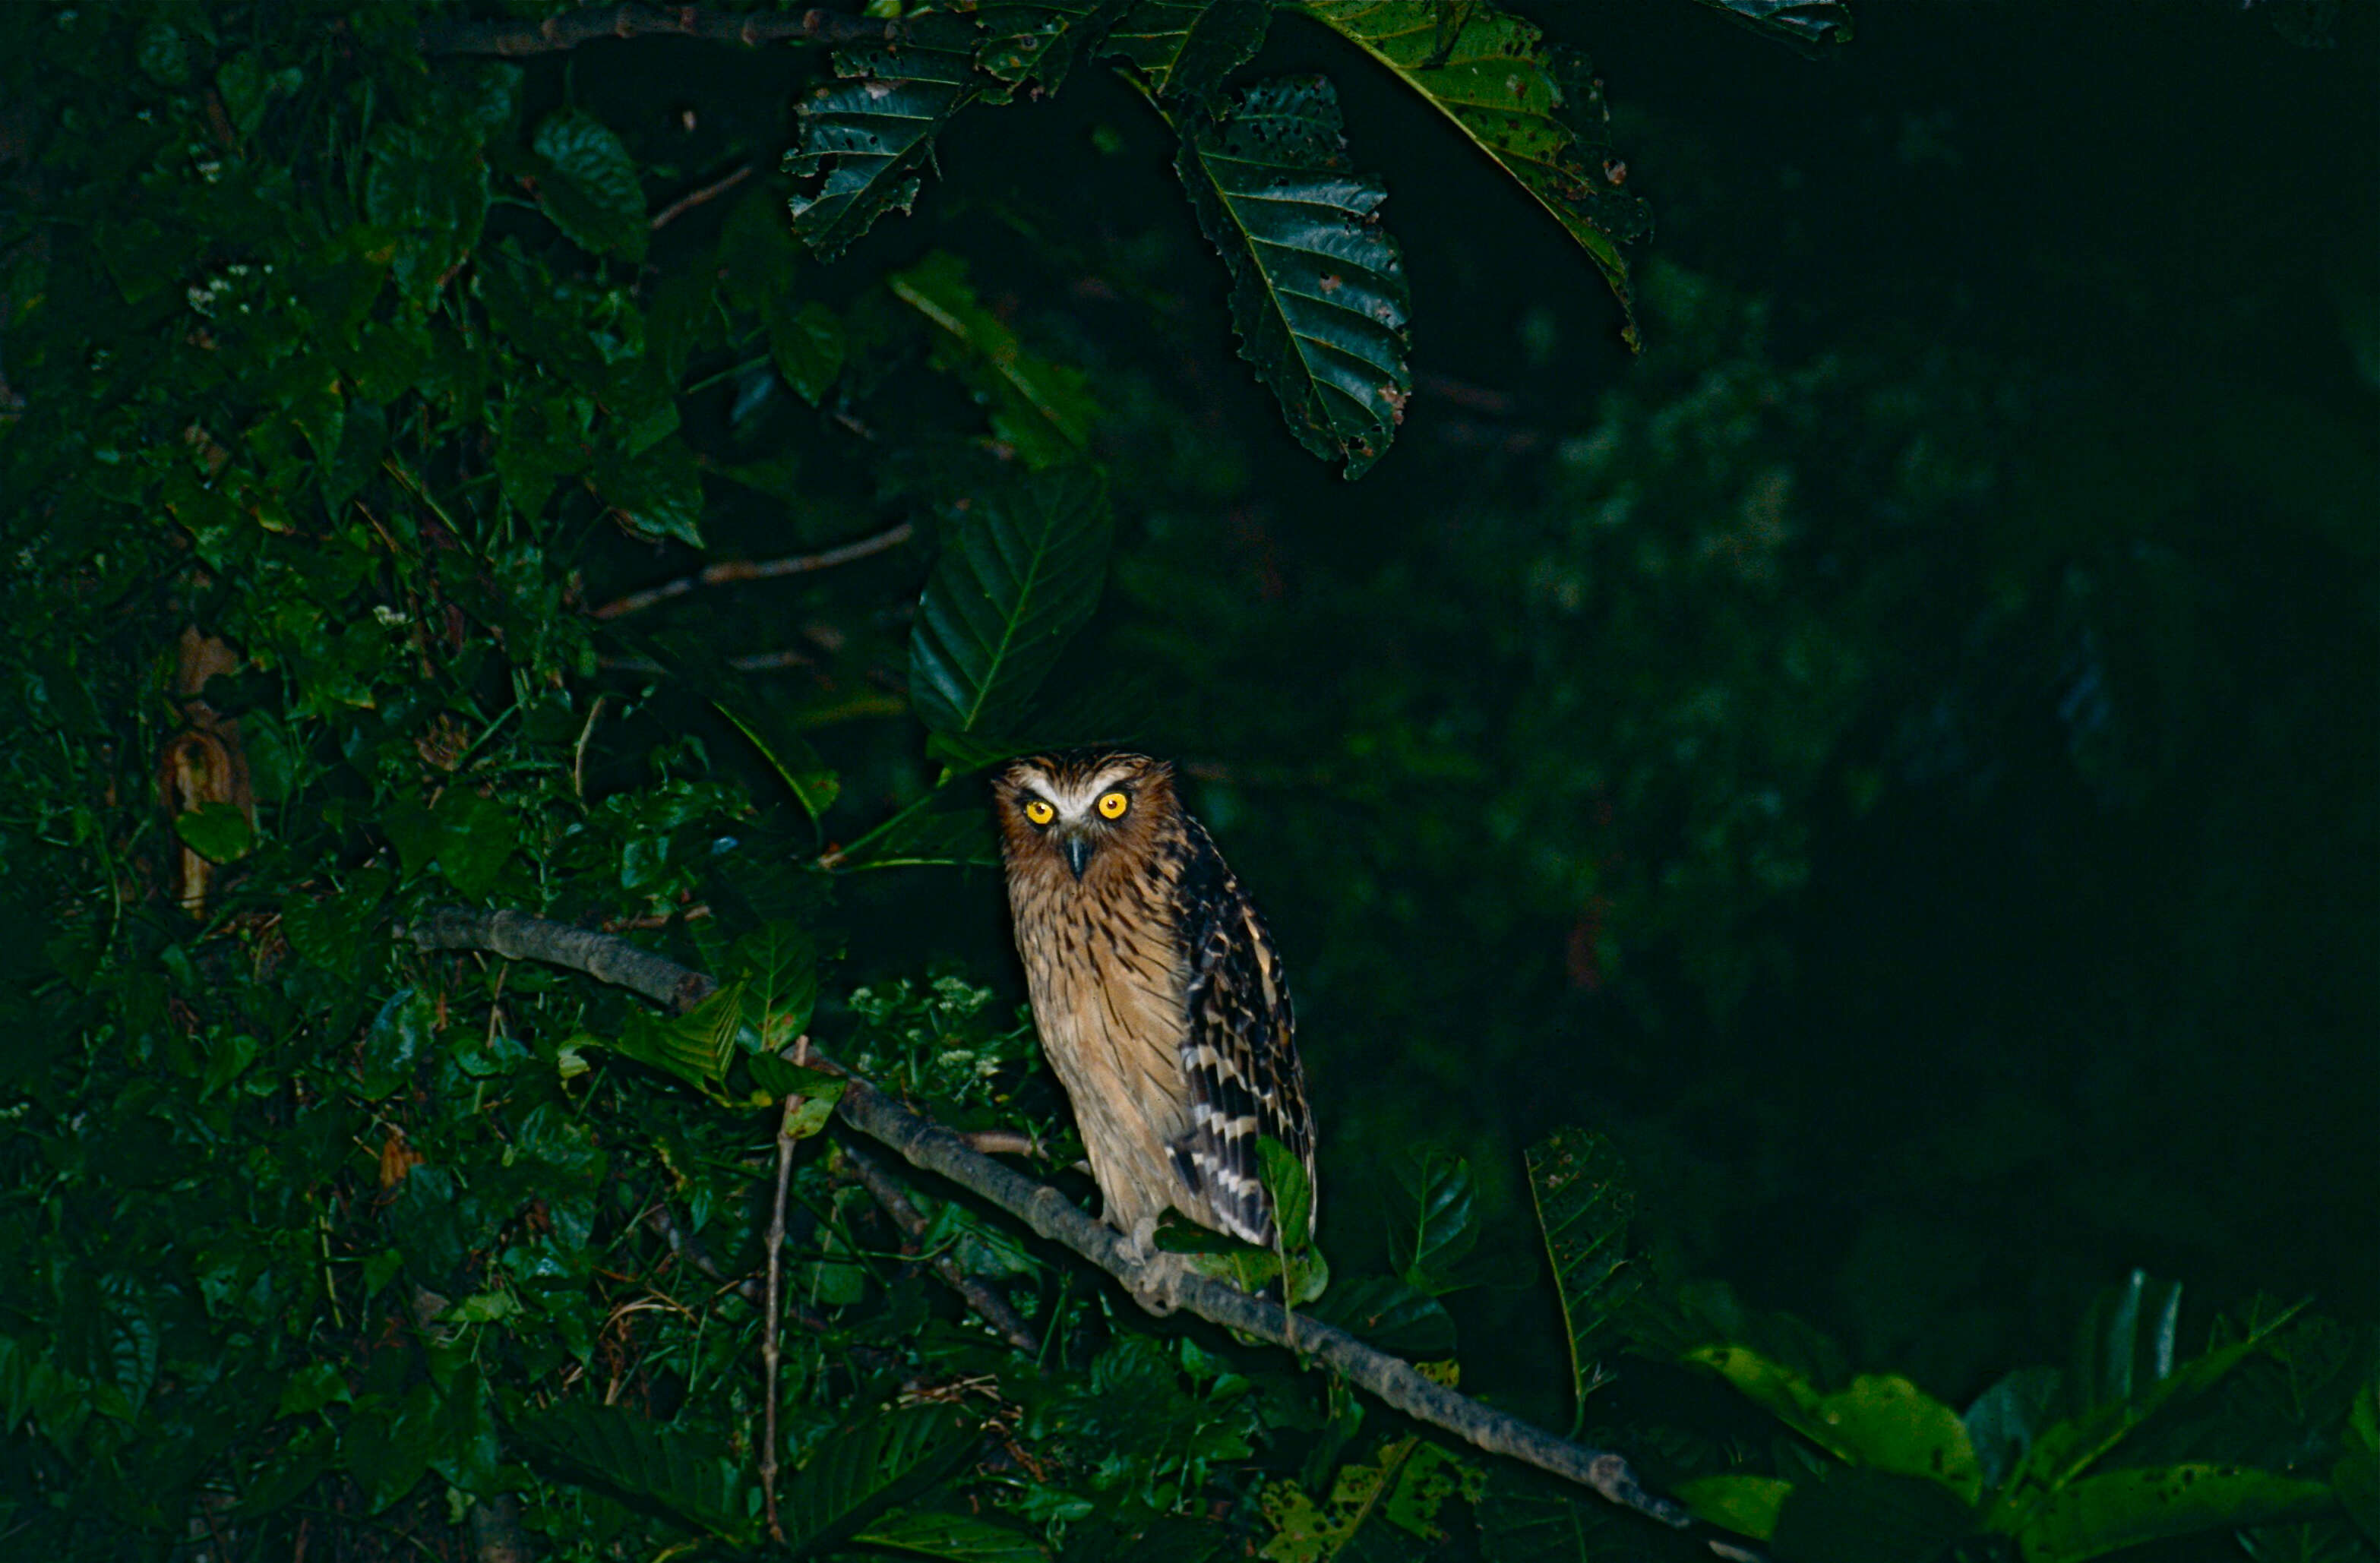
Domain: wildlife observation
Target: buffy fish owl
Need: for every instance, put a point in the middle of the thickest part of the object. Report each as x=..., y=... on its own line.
x=1156, y=988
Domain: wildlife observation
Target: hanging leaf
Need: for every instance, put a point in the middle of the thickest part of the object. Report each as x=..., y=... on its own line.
x=1583, y=1207
x=868, y=139
x=590, y=185
x=1530, y=105
x=657, y=494
x=869, y=1468
x=1040, y=407
x=1185, y=48
x=1318, y=287
x=697, y=1046
x=1020, y=573
x=1032, y=43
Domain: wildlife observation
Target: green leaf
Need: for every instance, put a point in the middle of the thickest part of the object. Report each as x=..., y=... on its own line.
x=1040, y=407
x=2006, y=1418
x=777, y=964
x=685, y=1468
x=2120, y=1508
x=960, y=1538
x=1528, y=1518
x=398, y=1041
x=868, y=139
x=807, y=346
x=928, y=834
x=590, y=185
x=697, y=1046
x=1882, y=1421
x=1020, y=573
x=655, y=494
x=1185, y=48
x=1317, y=286
x=328, y=932
x=2065, y=1450
x=1432, y=1234
x=1032, y=43
x=1746, y=1505
x=1530, y=105
x=2126, y=1340
x=217, y=831
x=1584, y=1206
x=426, y=186
x=1292, y=1188
x=310, y=1388
x=388, y=1444
x=867, y=1468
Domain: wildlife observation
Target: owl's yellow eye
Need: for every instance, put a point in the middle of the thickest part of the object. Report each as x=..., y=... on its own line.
x=1038, y=811
x=1112, y=804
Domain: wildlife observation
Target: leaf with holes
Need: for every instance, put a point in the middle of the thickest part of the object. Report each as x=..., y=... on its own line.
x=866, y=139
x=1532, y=106
x=1020, y=573
x=1028, y=45
x=1318, y=287
x=1185, y=48
x=1584, y=1206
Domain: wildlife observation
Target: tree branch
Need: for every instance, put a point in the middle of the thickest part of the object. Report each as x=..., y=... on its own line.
x=936, y=1149
x=989, y=1304
x=598, y=22
x=733, y=570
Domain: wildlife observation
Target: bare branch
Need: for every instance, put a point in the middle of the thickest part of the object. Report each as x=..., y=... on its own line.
x=772, y=1352
x=595, y=23
x=989, y=1304
x=732, y=570
x=928, y=1145
x=693, y=199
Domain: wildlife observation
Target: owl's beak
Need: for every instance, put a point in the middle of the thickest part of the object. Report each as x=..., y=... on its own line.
x=1078, y=854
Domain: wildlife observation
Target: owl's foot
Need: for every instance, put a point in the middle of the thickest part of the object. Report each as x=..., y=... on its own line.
x=1157, y=1282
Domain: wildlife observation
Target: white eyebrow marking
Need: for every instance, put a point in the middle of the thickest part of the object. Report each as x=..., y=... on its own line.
x=1072, y=801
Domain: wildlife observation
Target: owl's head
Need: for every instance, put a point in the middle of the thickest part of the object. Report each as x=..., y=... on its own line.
x=1076, y=808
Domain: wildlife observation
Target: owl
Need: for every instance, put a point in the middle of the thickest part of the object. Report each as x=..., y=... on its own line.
x=1156, y=988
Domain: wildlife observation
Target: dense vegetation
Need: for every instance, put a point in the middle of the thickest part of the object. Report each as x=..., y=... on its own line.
x=1823, y=769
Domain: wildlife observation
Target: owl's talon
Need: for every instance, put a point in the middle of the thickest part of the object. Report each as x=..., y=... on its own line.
x=1156, y=1285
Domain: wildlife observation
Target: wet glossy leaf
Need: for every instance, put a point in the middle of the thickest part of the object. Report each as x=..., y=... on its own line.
x=1748, y=1505
x=2006, y=1418
x=697, y=1046
x=1882, y=1421
x=1523, y=101
x=590, y=185
x=1020, y=573
x=1318, y=288
x=1186, y=48
x=865, y=142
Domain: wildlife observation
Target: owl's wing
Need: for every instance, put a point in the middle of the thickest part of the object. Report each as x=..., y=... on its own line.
x=1239, y=1050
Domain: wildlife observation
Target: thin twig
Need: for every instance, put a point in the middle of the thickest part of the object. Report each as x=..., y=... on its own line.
x=688, y=202
x=928, y=1145
x=732, y=570
x=989, y=1304
x=598, y=22
x=771, y=1354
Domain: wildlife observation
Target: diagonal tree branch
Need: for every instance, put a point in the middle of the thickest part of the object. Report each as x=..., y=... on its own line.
x=928, y=1145
x=597, y=22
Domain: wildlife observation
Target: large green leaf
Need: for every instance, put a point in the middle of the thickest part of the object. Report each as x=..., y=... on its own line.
x=1039, y=407
x=2100, y=1514
x=697, y=1046
x=1882, y=1421
x=868, y=139
x=1525, y=102
x=1317, y=286
x=680, y=1467
x=867, y=1468
x=1185, y=48
x=1583, y=1207
x=1020, y=573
